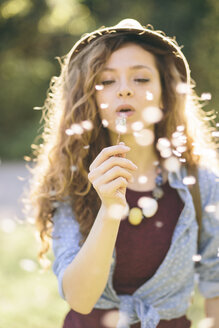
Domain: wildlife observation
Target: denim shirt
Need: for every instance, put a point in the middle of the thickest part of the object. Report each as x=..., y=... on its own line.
x=167, y=294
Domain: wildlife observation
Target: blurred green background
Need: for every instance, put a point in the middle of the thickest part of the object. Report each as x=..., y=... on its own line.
x=34, y=32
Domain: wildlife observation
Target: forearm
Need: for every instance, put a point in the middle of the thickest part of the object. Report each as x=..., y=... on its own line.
x=212, y=310
x=85, y=278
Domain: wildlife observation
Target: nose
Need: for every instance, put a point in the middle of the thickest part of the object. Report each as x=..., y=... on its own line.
x=125, y=91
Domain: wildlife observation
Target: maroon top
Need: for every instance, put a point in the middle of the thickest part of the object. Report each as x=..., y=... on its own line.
x=140, y=250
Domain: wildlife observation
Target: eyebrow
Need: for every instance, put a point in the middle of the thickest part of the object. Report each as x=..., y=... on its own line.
x=135, y=67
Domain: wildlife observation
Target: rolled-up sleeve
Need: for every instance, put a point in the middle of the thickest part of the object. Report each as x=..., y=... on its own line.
x=208, y=267
x=65, y=241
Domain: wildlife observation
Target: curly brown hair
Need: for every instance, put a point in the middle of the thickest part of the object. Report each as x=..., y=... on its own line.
x=74, y=134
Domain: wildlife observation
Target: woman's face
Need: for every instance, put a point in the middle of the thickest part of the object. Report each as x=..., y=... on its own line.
x=130, y=81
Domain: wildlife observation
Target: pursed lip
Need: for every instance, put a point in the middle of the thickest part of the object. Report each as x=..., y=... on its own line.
x=125, y=106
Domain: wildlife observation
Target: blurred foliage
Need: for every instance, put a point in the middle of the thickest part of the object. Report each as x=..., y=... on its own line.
x=34, y=32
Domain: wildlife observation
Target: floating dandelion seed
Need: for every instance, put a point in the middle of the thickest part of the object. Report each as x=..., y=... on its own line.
x=77, y=129
x=149, y=206
x=55, y=204
x=73, y=168
x=69, y=132
x=137, y=126
x=87, y=125
x=206, y=96
x=104, y=106
x=215, y=134
x=176, y=153
x=182, y=88
x=218, y=252
x=210, y=208
x=189, y=180
x=159, y=224
x=182, y=160
x=181, y=149
x=166, y=152
x=27, y=158
x=142, y=179
x=110, y=319
x=149, y=95
x=144, y=137
x=105, y=123
x=196, y=258
x=99, y=87
x=152, y=114
x=7, y=225
x=52, y=193
x=180, y=128
x=117, y=211
x=28, y=265
x=206, y=323
x=172, y=164
x=86, y=147
x=163, y=143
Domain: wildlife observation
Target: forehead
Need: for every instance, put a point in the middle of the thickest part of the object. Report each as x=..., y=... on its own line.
x=131, y=54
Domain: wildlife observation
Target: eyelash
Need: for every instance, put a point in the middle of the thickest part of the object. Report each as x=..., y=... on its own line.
x=108, y=82
x=142, y=80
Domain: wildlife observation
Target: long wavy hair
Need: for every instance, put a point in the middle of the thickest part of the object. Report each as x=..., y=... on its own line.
x=73, y=133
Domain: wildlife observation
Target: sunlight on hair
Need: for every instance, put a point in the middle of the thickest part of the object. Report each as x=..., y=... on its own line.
x=7, y=225
x=110, y=319
x=105, y=123
x=99, y=87
x=196, y=258
x=137, y=126
x=206, y=323
x=149, y=206
x=172, y=164
x=152, y=114
x=189, y=180
x=144, y=137
x=149, y=95
x=183, y=88
x=28, y=265
x=142, y=179
x=104, y=106
x=206, y=96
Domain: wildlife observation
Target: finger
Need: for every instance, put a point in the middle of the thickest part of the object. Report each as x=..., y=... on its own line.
x=110, y=163
x=108, y=152
x=113, y=186
x=111, y=175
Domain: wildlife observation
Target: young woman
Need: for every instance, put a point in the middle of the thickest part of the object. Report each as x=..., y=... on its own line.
x=123, y=126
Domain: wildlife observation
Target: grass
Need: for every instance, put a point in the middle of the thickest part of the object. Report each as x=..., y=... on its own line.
x=29, y=297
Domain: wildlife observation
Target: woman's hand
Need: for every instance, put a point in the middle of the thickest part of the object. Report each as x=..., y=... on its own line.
x=109, y=175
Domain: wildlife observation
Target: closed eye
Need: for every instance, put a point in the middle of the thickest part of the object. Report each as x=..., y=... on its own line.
x=107, y=82
x=142, y=80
